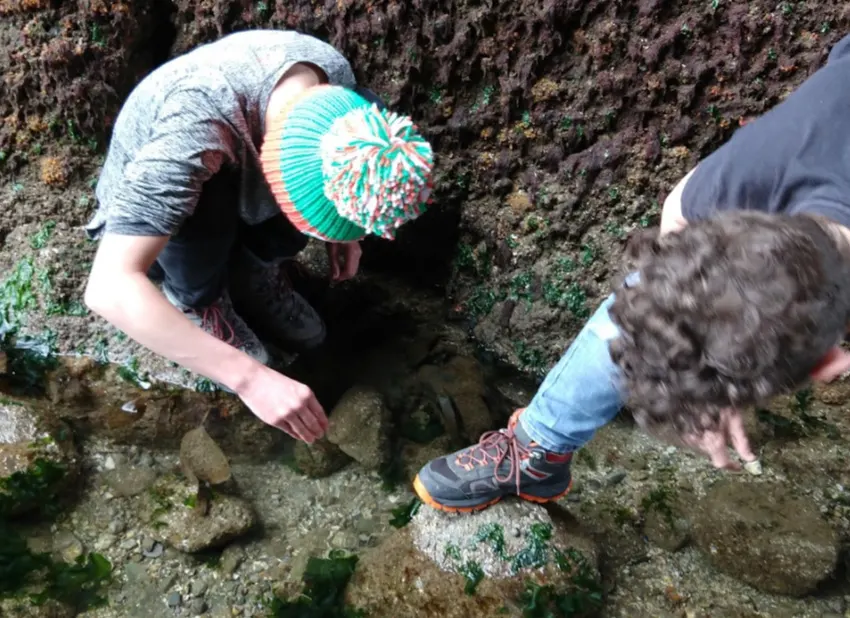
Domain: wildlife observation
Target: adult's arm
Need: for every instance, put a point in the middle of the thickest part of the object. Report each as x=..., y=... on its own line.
x=672, y=219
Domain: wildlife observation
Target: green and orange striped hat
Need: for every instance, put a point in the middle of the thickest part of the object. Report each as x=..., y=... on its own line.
x=340, y=168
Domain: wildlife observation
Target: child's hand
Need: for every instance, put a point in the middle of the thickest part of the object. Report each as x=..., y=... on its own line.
x=715, y=443
x=344, y=258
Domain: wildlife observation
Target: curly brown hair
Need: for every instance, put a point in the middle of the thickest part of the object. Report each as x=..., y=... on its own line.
x=728, y=312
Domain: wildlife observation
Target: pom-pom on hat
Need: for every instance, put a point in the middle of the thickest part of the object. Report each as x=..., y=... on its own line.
x=340, y=168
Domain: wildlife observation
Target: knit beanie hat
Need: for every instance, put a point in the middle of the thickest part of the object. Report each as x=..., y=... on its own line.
x=340, y=168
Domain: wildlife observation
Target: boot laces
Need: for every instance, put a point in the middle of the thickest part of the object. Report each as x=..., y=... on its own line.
x=212, y=319
x=497, y=447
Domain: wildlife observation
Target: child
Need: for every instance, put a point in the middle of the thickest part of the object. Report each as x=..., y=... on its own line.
x=222, y=162
x=722, y=311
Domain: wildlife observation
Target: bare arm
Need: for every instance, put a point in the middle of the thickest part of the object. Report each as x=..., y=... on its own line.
x=671, y=214
x=119, y=291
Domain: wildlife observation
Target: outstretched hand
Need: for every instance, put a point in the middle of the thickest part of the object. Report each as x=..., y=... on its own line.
x=715, y=443
x=344, y=258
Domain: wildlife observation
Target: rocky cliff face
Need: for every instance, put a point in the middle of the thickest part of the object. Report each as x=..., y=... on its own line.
x=560, y=125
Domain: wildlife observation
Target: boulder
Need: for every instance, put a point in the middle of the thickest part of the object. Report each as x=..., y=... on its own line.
x=486, y=564
x=359, y=424
x=320, y=459
x=168, y=509
x=763, y=535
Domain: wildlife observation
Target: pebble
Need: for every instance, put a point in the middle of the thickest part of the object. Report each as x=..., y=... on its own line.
x=104, y=542
x=146, y=460
x=197, y=588
x=615, y=478
x=753, y=467
x=109, y=464
x=148, y=544
x=116, y=526
x=198, y=607
x=128, y=543
x=174, y=599
x=155, y=552
x=516, y=532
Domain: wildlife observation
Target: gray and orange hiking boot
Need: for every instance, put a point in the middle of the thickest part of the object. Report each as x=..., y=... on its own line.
x=503, y=463
x=222, y=322
x=263, y=295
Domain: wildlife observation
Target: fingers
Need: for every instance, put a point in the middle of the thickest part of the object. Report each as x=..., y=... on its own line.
x=297, y=430
x=834, y=364
x=738, y=436
x=352, y=260
x=713, y=444
x=333, y=256
x=318, y=413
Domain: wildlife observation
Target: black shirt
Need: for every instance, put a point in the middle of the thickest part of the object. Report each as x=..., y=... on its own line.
x=793, y=159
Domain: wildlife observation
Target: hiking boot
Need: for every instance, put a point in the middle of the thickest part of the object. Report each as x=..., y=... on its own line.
x=503, y=463
x=263, y=295
x=222, y=322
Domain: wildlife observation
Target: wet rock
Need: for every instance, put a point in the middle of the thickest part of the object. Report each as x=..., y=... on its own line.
x=173, y=521
x=462, y=380
x=198, y=607
x=415, y=456
x=67, y=546
x=127, y=481
x=320, y=459
x=763, y=535
x=23, y=608
x=201, y=459
x=358, y=426
x=31, y=443
x=173, y=599
x=615, y=478
x=425, y=568
x=666, y=530
x=231, y=558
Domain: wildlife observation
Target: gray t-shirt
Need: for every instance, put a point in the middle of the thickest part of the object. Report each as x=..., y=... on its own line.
x=195, y=115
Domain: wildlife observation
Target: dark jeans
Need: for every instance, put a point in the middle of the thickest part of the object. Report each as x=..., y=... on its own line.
x=194, y=263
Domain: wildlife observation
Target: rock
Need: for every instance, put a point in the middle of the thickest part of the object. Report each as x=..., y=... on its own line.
x=320, y=459
x=666, y=530
x=358, y=426
x=198, y=607
x=67, y=546
x=461, y=379
x=30, y=443
x=180, y=526
x=23, y=608
x=414, y=456
x=766, y=537
x=201, y=459
x=127, y=481
x=198, y=588
x=173, y=599
x=616, y=477
x=231, y=558
x=423, y=569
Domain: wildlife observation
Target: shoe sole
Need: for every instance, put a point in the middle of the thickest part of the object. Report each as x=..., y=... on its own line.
x=425, y=497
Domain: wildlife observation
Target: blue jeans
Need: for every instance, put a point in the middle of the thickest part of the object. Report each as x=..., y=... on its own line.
x=581, y=393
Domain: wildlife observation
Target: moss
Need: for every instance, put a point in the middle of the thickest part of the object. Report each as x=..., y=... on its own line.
x=40, y=238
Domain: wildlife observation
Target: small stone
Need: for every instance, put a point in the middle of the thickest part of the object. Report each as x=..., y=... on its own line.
x=753, y=467
x=145, y=460
x=148, y=544
x=109, y=464
x=174, y=599
x=517, y=533
x=116, y=526
x=128, y=543
x=197, y=588
x=615, y=478
x=155, y=552
x=104, y=542
x=198, y=607
x=168, y=582
x=231, y=558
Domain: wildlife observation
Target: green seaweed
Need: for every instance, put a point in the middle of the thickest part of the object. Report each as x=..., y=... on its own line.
x=474, y=574
x=29, y=360
x=34, y=487
x=325, y=580
x=402, y=515
x=129, y=371
x=536, y=551
x=16, y=297
x=582, y=596
x=494, y=535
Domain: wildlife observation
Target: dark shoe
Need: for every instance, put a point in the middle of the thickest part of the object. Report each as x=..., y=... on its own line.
x=503, y=463
x=222, y=322
x=263, y=295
